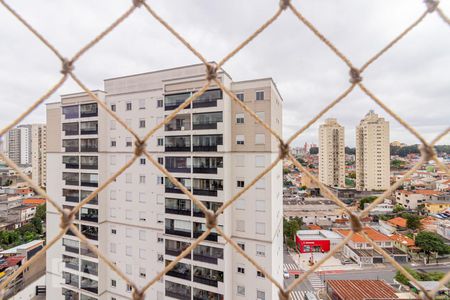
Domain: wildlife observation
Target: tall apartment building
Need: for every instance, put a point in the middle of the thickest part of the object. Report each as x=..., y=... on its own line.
x=25, y=145
x=372, y=153
x=142, y=221
x=332, y=153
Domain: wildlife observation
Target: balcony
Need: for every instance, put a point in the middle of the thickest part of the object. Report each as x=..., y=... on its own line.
x=178, y=232
x=213, y=236
x=173, y=189
x=173, y=101
x=204, y=103
x=202, y=192
x=180, y=270
x=206, y=295
x=206, y=143
x=178, y=295
x=208, y=99
x=207, y=281
x=205, y=258
x=88, y=110
x=178, y=148
x=175, y=211
x=89, y=285
x=71, y=249
x=74, y=199
x=204, y=170
x=207, y=276
x=210, y=148
x=89, y=217
x=90, y=232
x=181, y=275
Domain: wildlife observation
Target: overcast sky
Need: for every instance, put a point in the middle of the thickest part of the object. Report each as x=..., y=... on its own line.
x=412, y=78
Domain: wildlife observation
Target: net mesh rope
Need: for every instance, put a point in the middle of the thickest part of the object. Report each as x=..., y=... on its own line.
x=356, y=81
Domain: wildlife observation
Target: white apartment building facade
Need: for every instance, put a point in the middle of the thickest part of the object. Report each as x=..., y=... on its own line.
x=25, y=145
x=142, y=221
x=332, y=153
x=372, y=153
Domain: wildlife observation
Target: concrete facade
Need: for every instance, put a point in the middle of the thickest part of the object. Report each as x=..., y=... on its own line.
x=143, y=221
x=332, y=153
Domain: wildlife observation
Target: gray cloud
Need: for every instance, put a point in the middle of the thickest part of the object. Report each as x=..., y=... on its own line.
x=412, y=78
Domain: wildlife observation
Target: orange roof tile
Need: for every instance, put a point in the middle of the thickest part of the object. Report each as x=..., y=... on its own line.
x=421, y=192
x=398, y=222
x=362, y=289
x=403, y=239
x=358, y=238
x=37, y=201
x=314, y=227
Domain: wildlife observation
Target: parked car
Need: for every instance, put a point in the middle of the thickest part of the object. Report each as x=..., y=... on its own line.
x=346, y=261
x=285, y=274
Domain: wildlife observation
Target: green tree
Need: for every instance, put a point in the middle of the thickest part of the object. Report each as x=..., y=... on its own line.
x=290, y=228
x=431, y=242
x=365, y=200
x=397, y=164
x=403, y=279
x=412, y=221
x=398, y=208
x=314, y=150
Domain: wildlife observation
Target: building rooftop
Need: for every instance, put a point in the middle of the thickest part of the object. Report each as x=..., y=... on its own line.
x=421, y=192
x=430, y=285
x=398, y=222
x=26, y=246
x=403, y=239
x=358, y=238
x=362, y=289
x=317, y=235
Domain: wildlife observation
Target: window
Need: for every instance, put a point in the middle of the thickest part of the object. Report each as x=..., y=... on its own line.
x=128, y=178
x=142, y=235
x=241, y=269
x=240, y=139
x=159, y=180
x=128, y=106
x=240, y=225
x=260, y=161
x=240, y=183
x=128, y=269
x=161, y=160
x=241, y=245
x=259, y=95
x=142, y=216
x=260, y=205
x=113, y=231
x=260, y=250
x=142, y=161
x=240, y=118
x=240, y=204
x=260, y=139
x=88, y=110
x=142, y=123
x=113, y=107
x=70, y=112
x=128, y=288
x=240, y=96
x=160, y=142
x=128, y=142
x=159, y=103
x=141, y=103
x=142, y=253
x=113, y=142
x=261, y=115
x=260, y=274
x=142, y=273
x=128, y=250
x=260, y=295
x=260, y=228
x=160, y=257
x=113, y=283
x=240, y=290
x=142, y=179
x=70, y=128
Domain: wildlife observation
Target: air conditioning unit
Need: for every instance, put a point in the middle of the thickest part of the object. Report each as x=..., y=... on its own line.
x=182, y=128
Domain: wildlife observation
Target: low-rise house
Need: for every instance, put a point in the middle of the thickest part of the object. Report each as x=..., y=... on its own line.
x=7, y=203
x=309, y=241
x=405, y=244
x=382, y=209
x=21, y=214
x=393, y=225
x=361, y=251
x=443, y=229
x=443, y=185
x=429, y=223
x=412, y=199
x=438, y=203
x=359, y=290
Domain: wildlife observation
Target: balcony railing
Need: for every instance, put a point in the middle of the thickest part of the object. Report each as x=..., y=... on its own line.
x=176, y=274
x=88, y=149
x=72, y=266
x=71, y=182
x=178, y=148
x=204, y=103
x=205, y=148
x=178, y=170
x=212, y=125
x=175, y=211
x=207, y=281
x=89, y=183
x=178, y=232
x=71, y=149
x=175, y=106
x=89, y=218
x=178, y=295
x=204, y=258
x=72, y=199
x=205, y=170
x=72, y=249
x=176, y=252
x=213, y=236
x=91, y=236
x=198, y=214
x=72, y=166
x=205, y=192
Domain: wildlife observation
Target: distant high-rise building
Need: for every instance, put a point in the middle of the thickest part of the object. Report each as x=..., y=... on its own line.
x=25, y=145
x=142, y=221
x=331, y=153
x=372, y=153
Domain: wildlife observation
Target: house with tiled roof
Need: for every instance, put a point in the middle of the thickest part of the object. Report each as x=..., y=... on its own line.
x=393, y=225
x=412, y=199
x=359, y=290
x=404, y=243
x=362, y=252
